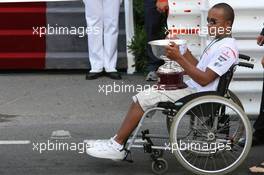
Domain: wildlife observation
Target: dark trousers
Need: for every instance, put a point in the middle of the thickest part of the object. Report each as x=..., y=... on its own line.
x=259, y=124
x=154, y=21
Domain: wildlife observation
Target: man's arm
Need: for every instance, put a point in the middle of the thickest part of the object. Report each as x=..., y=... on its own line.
x=202, y=78
x=260, y=39
x=188, y=55
x=262, y=32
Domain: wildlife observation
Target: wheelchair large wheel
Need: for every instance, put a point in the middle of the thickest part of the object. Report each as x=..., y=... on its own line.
x=205, y=132
x=230, y=94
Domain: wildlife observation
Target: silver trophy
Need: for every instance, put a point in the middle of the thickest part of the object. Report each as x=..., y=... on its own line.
x=170, y=74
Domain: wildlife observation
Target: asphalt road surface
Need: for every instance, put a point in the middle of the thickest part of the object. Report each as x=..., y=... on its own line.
x=33, y=106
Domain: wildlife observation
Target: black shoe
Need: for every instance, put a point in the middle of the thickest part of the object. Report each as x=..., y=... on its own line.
x=114, y=75
x=93, y=75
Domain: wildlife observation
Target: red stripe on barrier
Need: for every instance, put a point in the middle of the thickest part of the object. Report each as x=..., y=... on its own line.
x=27, y=61
x=19, y=48
x=16, y=32
x=22, y=55
x=22, y=10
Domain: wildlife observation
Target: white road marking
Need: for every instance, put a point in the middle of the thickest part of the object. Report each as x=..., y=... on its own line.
x=60, y=134
x=14, y=142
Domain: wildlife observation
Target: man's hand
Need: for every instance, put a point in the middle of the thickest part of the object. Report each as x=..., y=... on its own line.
x=260, y=40
x=173, y=51
x=162, y=5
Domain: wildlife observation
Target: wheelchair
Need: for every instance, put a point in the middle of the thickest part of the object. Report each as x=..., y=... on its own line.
x=204, y=130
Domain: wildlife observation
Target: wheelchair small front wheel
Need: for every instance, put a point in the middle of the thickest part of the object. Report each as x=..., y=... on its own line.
x=159, y=166
x=205, y=132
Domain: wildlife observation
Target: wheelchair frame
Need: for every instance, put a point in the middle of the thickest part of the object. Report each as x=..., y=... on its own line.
x=159, y=165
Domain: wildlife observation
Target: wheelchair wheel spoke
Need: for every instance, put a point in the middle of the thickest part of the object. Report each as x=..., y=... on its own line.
x=202, y=112
x=231, y=155
x=224, y=128
x=223, y=157
x=185, y=137
x=189, y=154
x=212, y=112
x=195, y=159
x=214, y=163
x=236, y=153
x=205, y=127
x=207, y=157
x=237, y=146
x=202, y=134
x=226, y=120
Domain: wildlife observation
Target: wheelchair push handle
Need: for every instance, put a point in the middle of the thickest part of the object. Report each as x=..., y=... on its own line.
x=244, y=57
x=248, y=65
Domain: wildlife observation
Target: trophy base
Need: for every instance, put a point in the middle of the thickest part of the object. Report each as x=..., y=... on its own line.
x=171, y=81
x=169, y=87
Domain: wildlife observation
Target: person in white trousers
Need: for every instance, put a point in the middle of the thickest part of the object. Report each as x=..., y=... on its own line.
x=102, y=17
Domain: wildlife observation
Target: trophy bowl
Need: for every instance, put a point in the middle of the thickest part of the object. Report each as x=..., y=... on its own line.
x=158, y=46
x=170, y=75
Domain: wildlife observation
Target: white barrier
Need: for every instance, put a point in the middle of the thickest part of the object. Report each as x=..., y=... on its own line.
x=248, y=24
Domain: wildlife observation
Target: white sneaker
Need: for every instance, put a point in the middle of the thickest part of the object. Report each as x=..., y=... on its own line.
x=105, y=149
x=91, y=143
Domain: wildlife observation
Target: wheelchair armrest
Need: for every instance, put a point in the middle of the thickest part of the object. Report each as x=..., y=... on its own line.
x=179, y=103
x=171, y=108
x=167, y=105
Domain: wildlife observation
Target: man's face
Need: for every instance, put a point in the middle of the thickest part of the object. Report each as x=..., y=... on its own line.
x=217, y=24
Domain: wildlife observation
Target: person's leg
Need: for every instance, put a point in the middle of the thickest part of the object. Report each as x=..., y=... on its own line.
x=111, y=28
x=259, y=124
x=130, y=123
x=113, y=148
x=258, y=135
x=154, y=20
x=93, y=14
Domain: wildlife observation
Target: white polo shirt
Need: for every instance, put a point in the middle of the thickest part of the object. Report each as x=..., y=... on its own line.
x=219, y=58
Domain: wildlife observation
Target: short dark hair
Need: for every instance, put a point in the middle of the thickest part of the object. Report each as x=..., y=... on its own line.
x=228, y=10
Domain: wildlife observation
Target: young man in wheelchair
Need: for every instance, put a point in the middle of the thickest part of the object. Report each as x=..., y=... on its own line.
x=215, y=61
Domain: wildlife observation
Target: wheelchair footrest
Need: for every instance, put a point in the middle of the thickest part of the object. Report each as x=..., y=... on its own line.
x=147, y=147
